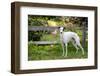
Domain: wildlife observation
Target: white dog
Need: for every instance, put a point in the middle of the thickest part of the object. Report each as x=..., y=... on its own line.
x=66, y=37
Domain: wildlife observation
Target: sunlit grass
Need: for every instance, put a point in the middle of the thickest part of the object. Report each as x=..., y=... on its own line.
x=49, y=52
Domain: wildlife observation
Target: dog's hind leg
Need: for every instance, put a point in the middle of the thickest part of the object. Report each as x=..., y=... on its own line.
x=76, y=48
x=75, y=45
x=81, y=48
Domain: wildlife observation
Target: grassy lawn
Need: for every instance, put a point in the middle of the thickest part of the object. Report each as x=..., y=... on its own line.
x=49, y=52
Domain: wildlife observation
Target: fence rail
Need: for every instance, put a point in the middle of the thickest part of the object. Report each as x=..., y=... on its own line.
x=40, y=28
x=49, y=28
x=43, y=42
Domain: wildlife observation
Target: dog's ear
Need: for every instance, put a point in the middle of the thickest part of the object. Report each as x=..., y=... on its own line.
x=64, y=28
x=59, y=27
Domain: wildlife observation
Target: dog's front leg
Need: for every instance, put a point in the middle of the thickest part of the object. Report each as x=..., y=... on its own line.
x=66, y=50
x=63, y=53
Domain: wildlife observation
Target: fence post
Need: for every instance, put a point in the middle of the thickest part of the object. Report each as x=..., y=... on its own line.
x=84, y=35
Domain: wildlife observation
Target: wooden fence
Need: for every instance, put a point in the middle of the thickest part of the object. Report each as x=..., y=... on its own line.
x=43, y=28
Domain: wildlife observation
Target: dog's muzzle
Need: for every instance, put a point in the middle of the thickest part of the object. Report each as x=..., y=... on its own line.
x=61, y=32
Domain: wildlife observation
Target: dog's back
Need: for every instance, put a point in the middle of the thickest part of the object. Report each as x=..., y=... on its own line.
x=68, y=36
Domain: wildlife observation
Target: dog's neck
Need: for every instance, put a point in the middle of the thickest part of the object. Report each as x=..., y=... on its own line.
x=61, y=36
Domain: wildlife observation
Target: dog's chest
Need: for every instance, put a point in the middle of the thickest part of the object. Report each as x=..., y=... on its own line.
x=66, y=37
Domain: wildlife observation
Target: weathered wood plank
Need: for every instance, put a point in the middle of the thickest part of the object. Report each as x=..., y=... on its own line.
x=43, y=42
x=47, y=28
x=40, y=28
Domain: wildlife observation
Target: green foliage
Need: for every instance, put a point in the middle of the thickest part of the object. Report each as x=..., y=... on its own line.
x=34, y=35
x=50, y=37
x=34, y=20
x=49, y=52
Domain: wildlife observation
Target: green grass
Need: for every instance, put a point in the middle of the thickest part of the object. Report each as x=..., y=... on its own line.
x=49, y=52
x=50, y=37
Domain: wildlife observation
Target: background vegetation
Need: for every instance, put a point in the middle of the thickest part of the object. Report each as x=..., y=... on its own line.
x=40, y=52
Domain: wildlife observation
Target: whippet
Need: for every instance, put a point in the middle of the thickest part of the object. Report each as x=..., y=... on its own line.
x=66, y=37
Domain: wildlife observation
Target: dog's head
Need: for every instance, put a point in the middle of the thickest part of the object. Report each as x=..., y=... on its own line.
x=61, y=29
